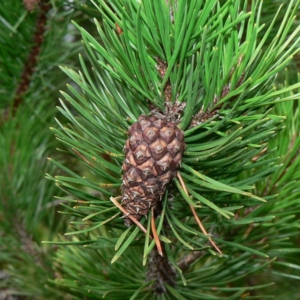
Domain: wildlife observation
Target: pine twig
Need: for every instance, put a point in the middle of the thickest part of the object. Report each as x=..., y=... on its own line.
x=31, y=62
x=167, y=89
x=160, y=271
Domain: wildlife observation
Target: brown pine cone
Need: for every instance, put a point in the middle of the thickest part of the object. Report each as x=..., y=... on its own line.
x=153, y=153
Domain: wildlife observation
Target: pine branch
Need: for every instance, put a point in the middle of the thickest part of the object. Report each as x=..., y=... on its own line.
x=161, y=272
x=26, y=213
x=219, y=64
x=31, y=62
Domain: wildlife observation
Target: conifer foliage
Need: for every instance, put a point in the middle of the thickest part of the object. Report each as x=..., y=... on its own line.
x=176, y=122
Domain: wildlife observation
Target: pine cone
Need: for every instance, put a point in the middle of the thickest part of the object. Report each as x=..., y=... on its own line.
x=153, y=154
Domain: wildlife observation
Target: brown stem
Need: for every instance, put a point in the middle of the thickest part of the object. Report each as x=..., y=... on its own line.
x=162, y=67
x=31, y=62
x=160, y=271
